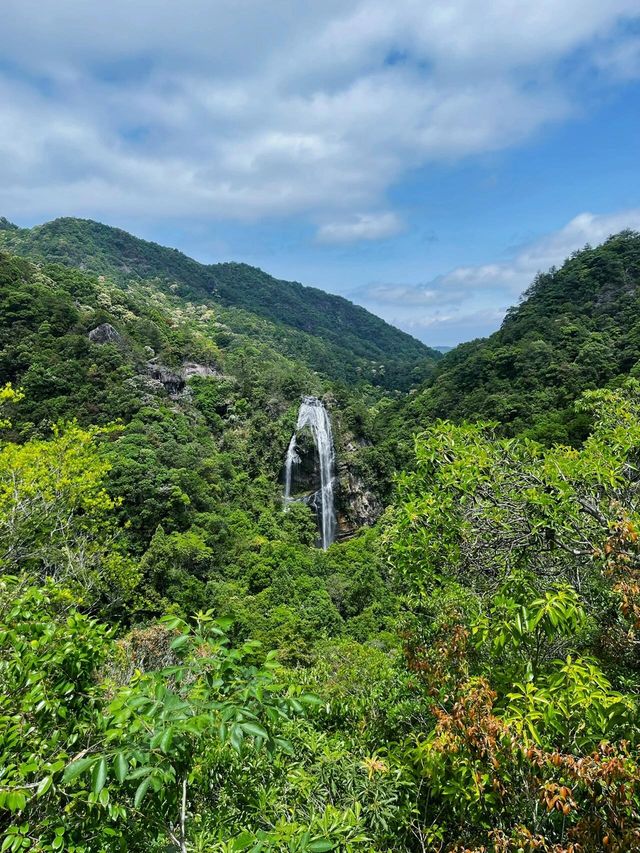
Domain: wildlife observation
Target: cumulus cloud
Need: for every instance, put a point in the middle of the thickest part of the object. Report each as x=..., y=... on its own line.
x=515, y=275
x=243, y=111
x=471, y=300
x=364, y=226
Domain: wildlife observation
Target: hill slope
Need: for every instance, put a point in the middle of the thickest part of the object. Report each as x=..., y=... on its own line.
x=577, y=327
x=331, y=334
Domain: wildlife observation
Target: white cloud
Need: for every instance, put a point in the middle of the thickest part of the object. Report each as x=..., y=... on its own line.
x=472, y=300
x=253, y=110
x=621, y=59
x=515, y=275
x=365, y=226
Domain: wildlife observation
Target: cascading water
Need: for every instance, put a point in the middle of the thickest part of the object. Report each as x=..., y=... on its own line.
x=313, y=414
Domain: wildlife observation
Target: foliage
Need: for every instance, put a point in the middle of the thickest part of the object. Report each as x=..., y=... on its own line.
x=534, y=680
x=333, y=336
x=91, y=764
x=575, y=329
x=474, y=657
x=56, y=518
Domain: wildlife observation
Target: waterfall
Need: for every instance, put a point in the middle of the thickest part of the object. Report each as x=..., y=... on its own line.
x=291, y=460
x=313, y=414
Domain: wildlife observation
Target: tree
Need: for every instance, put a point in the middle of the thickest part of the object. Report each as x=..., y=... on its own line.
x=56, y=517
x=522, y=565
x=94, y=757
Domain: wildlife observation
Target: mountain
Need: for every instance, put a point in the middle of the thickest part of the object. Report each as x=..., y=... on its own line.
x=330, y=334
x=482, y=641
x=576, y=328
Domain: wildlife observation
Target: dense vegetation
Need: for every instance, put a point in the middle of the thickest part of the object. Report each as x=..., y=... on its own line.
x=330, y=334
x=577, y=328
x=182, y=669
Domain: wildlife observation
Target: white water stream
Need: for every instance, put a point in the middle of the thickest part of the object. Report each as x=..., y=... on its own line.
x=313, y=414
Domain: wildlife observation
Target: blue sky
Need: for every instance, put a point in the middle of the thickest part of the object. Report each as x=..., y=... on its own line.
x=424, y=159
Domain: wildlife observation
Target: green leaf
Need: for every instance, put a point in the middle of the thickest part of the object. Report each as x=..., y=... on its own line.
x=236, y=738
x=179, y=642
x=44, y=786
x=255, y=730
x=121, y=766
x=166, y=741
x=141, y=791
x=140, y=771
x=173, y=623
x=309, y=699
x=99, y=776
x=320, y=846
x=139, y=701
x=73, y=770
x=284, y=745
x=243, y=841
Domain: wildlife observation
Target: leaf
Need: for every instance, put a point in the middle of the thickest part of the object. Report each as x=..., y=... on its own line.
x=44, y=786
x=255, y=730
x=73, y=770
x=320, y=846
x=310, y=699
x=179, y=642
x=243, y=841
x=138, y=702
x=99, y=776
x=154, y=743
x=140, y=771
x=141, y=791
x=174, y=622
x=236, y=738
x=167, y=740
x=121, y=766
x=285, y=745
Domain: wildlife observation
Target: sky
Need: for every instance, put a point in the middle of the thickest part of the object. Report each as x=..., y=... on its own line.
x=423, y=158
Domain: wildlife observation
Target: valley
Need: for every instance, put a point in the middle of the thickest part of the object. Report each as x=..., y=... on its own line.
x=275, y=576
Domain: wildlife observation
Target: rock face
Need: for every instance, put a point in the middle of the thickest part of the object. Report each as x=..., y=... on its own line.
x=174, y=381
x=359, y=507
x=105, y=334
x=191, y=368
x=148, y=388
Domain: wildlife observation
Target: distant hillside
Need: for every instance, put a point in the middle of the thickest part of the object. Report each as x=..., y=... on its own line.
x=577, y=327
x=330, y=334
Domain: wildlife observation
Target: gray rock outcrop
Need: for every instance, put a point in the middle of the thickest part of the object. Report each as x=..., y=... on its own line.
x=192, y=368
x=173, y=382
x=105, y=334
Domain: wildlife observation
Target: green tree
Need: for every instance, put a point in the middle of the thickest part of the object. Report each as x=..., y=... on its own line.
x=56, y=517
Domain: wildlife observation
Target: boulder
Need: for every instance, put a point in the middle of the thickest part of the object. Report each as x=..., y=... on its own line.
x=105, y=334
x=192, y=368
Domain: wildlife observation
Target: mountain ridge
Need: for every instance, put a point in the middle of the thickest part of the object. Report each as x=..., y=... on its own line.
x=385, y=355
x=575, y=328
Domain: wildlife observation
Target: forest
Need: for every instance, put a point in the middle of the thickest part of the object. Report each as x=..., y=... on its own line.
x=182, y=668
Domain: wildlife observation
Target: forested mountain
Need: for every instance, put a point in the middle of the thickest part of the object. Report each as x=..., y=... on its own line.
x=577, y=327
x=330, y=334
x=182, y=668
